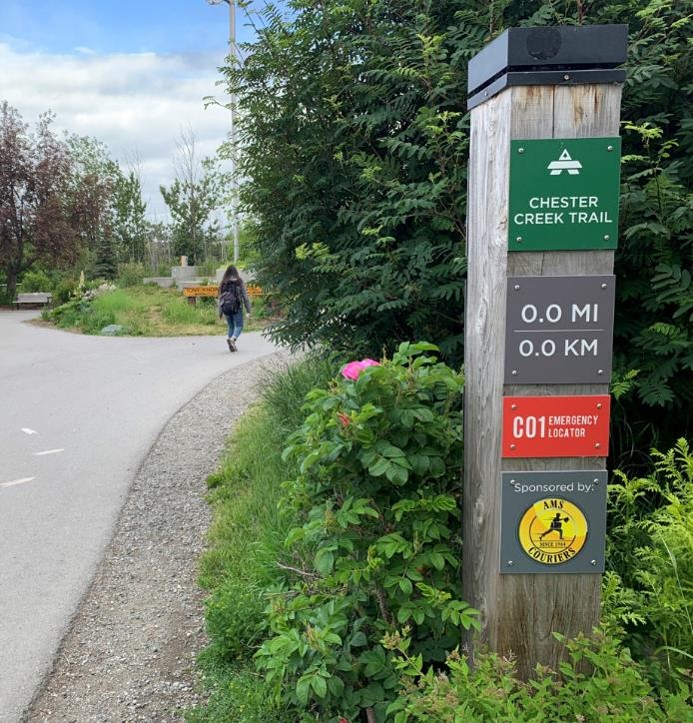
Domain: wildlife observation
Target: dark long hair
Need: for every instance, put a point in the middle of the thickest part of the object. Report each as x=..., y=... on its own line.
x=230, y=273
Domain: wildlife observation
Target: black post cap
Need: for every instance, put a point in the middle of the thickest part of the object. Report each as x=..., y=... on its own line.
x=556, y=55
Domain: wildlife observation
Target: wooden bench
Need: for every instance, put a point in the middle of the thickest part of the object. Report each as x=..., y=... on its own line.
x=35, y=298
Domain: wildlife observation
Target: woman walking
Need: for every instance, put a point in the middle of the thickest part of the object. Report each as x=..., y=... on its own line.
x=233, y=296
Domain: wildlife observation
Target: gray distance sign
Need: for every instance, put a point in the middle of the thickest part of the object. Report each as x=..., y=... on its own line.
x=559, y=329
x=553, y=522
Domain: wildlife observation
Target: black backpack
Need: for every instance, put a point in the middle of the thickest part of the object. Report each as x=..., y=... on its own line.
x=231, y=299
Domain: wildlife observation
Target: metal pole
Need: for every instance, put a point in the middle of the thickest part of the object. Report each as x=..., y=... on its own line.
x=232, y=100
x=234, y=182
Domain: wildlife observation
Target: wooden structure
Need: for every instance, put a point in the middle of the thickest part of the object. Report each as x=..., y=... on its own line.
x=192, y=293
x=34, y=298
x=520, y=612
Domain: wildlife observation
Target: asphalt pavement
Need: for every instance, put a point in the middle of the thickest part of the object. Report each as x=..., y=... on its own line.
x=77, y=417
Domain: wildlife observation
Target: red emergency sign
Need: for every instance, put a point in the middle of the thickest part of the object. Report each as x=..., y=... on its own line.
x=556, y=426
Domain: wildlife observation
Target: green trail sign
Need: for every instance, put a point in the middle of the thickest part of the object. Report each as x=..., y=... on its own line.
x=564, y=194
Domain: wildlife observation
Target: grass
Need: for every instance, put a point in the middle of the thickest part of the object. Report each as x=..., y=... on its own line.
x=245, y=543
x=148, y=311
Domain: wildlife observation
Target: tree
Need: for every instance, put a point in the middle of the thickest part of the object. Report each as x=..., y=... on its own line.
x=94, y=181
x=39, y=219
x=193, y=198
x=116, y=225
x=355, y=145
x=131, y=227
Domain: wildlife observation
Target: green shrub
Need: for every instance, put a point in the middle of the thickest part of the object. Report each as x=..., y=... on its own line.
x=376, y=545
x=613, y=689
x=649, y=590
x=131, y=273
x=36, y=281
x=67, y=315
x=89, y=315
x=64, y=290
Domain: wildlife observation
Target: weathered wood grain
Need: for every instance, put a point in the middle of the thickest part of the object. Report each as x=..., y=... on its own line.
x=520, y=612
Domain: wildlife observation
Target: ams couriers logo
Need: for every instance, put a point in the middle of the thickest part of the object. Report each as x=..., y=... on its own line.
x=553, y=531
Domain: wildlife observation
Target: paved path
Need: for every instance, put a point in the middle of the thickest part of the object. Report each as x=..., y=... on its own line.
x=77, y=417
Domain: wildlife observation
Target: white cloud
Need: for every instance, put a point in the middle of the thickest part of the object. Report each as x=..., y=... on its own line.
x=137, y=104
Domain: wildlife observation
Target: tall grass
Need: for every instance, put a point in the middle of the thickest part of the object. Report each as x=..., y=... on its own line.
x=245, y=545
x=179, y=311
x=116, y=302
x=284, y=394
x=143, y=311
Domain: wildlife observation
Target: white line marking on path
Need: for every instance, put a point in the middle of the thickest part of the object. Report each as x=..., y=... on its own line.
x=17, y=482
x=26, y=430
x=48, y=451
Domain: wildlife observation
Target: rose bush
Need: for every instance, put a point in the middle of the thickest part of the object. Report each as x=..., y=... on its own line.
x=377, y=546
x=353, y=369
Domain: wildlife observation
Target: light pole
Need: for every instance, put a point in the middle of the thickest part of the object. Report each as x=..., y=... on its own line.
x=234, y=188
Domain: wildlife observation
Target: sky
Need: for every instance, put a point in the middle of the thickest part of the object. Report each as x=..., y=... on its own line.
x=132, y=73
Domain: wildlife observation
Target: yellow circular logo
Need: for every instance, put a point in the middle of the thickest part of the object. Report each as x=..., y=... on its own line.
x=552, y=531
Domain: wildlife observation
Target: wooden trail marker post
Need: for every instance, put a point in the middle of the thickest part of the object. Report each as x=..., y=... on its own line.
x=542, y=226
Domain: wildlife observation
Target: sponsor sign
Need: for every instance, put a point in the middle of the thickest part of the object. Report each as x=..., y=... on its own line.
x=559, y=329
x=564, y=194
x=576, y=426
x=553, y=521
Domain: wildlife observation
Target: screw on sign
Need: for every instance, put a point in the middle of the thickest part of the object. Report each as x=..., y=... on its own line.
x=576, y=426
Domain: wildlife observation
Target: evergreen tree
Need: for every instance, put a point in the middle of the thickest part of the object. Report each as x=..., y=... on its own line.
x=131, y=227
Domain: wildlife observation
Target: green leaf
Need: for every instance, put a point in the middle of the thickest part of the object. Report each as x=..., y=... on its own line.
x=324, y=561
x=358, y=639
x=406, y=586
x=380, y=467
x=319, y=685
x=303, y=690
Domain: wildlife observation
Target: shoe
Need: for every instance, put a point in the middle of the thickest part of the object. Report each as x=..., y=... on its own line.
x=232, y=344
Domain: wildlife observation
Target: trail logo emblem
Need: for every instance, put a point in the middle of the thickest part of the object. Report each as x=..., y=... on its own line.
x=565, y=163
x=553, y=531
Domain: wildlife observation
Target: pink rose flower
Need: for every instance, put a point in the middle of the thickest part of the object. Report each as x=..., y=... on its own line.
x=353, y=369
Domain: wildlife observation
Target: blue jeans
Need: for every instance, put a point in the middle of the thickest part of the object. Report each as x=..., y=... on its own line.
x=235, y=322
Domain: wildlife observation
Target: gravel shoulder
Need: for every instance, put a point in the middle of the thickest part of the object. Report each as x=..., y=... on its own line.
x=129, y=654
